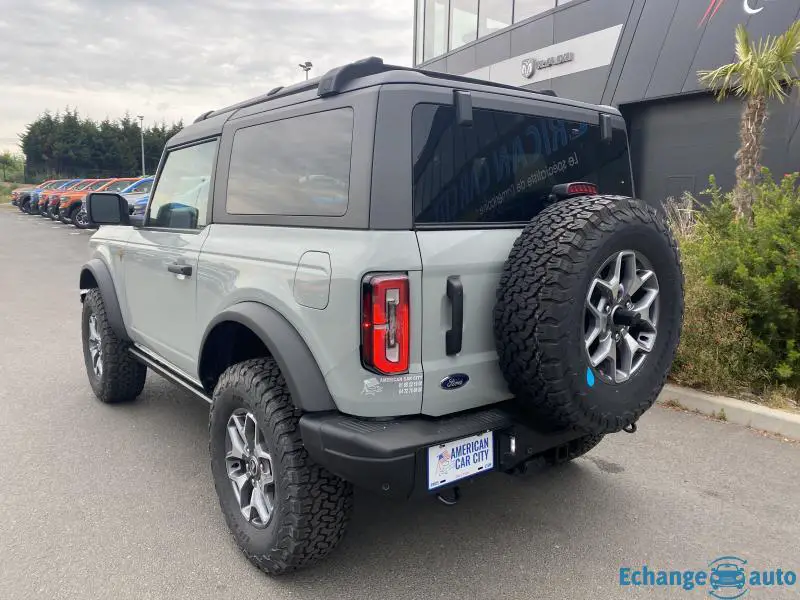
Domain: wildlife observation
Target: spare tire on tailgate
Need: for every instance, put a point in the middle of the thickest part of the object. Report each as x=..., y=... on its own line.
x=589, y=311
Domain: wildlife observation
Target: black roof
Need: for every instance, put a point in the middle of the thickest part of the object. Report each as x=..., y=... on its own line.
x=374, y=72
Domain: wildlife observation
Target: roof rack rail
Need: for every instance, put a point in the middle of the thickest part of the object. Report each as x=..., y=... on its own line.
x=334, y=80
x=203, y=117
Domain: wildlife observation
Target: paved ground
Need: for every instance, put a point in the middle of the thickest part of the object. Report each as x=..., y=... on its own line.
x=117, y=502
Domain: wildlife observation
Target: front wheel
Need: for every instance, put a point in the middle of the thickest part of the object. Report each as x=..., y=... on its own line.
x=78, y=218
x=115, y=376
x=284, y=511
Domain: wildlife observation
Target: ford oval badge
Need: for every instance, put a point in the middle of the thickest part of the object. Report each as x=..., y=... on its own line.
x=454, y=381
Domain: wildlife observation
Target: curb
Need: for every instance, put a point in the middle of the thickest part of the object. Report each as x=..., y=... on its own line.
x=748, y=414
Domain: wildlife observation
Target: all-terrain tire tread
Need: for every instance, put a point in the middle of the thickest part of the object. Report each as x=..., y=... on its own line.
x=531, y=316
x=123, y=376
x=318, y=503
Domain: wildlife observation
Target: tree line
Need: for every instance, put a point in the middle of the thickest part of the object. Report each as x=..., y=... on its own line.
x=66, y=145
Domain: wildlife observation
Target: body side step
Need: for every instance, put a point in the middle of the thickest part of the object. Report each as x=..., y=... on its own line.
x=168, y=373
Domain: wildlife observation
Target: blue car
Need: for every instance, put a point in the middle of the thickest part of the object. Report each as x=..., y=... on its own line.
x=141, y=205
x=30, y=202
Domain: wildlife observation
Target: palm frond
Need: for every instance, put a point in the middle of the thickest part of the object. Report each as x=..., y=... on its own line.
x=761, y=68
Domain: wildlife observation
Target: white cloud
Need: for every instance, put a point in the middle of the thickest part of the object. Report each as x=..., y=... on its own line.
x=176, y=59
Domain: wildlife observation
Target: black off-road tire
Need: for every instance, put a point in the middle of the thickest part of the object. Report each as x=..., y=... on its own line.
x=122, y=378
x=539, y=315
x=311, y=505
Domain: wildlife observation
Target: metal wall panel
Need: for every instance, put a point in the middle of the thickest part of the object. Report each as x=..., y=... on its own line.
x=651, y=31
x=531, y=36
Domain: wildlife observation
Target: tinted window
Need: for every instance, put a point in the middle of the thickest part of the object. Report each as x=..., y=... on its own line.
x=181, y=198
x=97, y=185
x=504, y=167
x=297, y=166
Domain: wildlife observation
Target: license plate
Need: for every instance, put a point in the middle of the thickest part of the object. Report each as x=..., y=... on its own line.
x=459, y=459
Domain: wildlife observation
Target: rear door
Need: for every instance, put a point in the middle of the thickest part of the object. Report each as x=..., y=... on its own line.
x=474, y=188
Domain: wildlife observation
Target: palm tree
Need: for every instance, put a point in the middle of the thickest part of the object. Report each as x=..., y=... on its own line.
x=763, y=70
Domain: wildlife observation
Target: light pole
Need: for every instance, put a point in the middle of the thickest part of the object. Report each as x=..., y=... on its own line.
x=141, y=133
x=306, y=66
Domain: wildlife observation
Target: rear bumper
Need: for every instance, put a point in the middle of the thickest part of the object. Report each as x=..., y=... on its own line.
x=390, y=457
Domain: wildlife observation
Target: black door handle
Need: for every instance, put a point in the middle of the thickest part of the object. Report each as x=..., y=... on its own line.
x=180, y=269
x=455, y=292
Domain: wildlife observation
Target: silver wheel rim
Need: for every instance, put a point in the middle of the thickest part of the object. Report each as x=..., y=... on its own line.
x=95, y=347
x=249, y=467
x=621, y=316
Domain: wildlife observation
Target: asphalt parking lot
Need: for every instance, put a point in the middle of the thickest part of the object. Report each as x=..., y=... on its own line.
x=117, y=502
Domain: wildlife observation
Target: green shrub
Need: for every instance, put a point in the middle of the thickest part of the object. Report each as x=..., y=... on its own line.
x=745, y=280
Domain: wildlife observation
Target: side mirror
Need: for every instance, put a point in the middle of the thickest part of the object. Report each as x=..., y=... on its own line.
x=107, y=208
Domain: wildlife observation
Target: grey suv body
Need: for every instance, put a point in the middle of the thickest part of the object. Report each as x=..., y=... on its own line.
x=372, y=277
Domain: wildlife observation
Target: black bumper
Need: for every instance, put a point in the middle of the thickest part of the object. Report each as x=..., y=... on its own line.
x=390, y=457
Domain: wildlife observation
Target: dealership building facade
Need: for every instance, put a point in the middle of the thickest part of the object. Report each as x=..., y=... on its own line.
x=639, y=55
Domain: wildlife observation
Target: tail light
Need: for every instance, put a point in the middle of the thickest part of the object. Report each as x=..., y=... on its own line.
x=581, y=189
x=570, y=190
x=385, y=324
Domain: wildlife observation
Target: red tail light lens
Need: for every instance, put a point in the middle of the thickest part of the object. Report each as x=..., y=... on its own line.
x=581, y=189
x=385, y=324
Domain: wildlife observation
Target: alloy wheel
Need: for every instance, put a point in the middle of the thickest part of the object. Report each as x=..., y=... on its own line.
x=249, y=467
x=95, y=346
x=621, y=315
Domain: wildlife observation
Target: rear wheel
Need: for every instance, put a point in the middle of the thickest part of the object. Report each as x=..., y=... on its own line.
x=589, y=311
x=284, y=511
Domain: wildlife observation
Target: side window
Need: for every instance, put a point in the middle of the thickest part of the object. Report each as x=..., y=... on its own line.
x=296, y=166
x=181, y=198
x=504, y=167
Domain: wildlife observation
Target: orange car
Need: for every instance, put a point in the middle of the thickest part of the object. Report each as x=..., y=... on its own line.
x=70, y=202
x=53, y=200
x=47, y=196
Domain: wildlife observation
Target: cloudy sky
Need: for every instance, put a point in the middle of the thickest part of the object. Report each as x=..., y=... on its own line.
x=173, y=59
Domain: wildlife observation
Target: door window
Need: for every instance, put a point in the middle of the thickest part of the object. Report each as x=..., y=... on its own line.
x=180, y=200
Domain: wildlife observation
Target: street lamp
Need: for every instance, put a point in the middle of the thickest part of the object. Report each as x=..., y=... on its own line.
x=306, y=66
x=141, y=133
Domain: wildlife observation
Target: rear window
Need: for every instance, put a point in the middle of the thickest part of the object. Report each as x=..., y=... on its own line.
x=503, y=168
x=297, y=166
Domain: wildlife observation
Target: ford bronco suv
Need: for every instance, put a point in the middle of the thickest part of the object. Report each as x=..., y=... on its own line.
x=386, y=278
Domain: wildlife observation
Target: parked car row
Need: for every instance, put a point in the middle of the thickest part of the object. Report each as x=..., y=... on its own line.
x=65, y=199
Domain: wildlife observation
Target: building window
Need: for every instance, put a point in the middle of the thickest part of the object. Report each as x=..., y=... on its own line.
x=419, y=33
x=463, y=22
x=436, y=13
x=524, y=9
x=494, y=15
